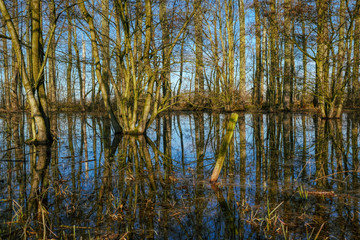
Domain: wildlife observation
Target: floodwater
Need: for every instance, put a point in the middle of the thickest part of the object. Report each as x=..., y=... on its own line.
x=286, y=176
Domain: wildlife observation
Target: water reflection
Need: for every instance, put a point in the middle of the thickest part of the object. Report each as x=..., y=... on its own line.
x=292, y=176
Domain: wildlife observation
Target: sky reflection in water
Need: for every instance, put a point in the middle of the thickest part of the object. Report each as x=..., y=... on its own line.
x=285, y=175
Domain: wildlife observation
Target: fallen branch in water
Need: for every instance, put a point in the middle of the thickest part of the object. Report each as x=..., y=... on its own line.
x=224, y=147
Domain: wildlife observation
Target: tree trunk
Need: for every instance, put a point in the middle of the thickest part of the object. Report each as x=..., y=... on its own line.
x=257, y=80
x=355, y=78
x=321, y=55
x=70, y=57
x=304, y=62
x=165, y=73
x=52, y=73
x=242, y=48
x=95, y=51
x=199, y=64
x=38, y=115
x=287, y=66
x=230, y=35
x=339, y=86
x=273, y=39
x=6, y=71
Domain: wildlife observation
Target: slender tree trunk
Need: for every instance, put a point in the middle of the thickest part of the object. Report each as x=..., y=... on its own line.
x=95, y=51
x=273, y=39
x=83, y=76
x=199, y=63
x=339, y=86
x=6, y=71
x=165, y=73
x=52, y=73
x=231, y=54
x=355, y=78
x=105, y=47
x=242, y=48
x=321, y=55
x=304, y=62
x=287, y=50
x=263, y=60
x=15, y=76
x=257, y=80
x=70, y=57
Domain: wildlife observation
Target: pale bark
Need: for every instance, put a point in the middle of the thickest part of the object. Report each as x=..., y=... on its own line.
x=83, y=76
x=37, y=114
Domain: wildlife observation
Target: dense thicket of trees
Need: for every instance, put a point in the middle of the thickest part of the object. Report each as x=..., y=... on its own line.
x=141, y=57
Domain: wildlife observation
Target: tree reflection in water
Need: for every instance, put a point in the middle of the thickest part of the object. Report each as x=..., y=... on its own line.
x=285, y=175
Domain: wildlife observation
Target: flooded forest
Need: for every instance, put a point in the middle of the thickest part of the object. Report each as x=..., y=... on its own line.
x=179, y=119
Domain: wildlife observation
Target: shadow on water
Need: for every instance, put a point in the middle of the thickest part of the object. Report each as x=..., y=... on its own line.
x=285, y=176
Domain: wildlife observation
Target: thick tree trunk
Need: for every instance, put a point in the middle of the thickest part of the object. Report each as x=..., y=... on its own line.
x=39, y=118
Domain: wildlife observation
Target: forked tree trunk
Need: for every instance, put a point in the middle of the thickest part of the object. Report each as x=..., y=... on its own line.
x=39, y=118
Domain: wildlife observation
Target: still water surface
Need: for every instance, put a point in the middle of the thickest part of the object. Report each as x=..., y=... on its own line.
x=287, y=176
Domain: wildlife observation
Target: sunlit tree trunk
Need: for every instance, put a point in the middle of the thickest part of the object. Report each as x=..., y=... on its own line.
x=230, y=37
x=52, y=73
x=165, y=73
x=242, y=48
x=35, y=83
x=304, y=62
x=83, y=76
x=70, y=58
x=105, y=47
x=78, y=67
x=321, y=55
x=263, y=60
x=339, y=78
x=199, y=65
x=15, y=75
x=6, y=71
x=102, y=84
x=355, y=78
